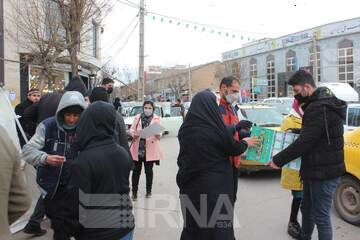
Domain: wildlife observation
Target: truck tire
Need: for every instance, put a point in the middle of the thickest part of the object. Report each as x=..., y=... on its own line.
x=347, y=199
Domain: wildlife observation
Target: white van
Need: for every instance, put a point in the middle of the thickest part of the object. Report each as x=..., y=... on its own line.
x=348, y=94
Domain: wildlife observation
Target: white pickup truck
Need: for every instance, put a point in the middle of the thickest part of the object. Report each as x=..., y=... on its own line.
x=171, y=118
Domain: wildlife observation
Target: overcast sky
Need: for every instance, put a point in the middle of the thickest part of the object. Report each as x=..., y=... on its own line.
x=169, y=44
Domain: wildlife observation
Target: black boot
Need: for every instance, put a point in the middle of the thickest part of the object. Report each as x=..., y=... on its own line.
x=148, y=194
x=294, y=230
x=34, y=230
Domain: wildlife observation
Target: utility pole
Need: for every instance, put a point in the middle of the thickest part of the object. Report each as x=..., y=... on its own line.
x=315, y=65
x=141, y=82
x=190, y=91
x=2, y=39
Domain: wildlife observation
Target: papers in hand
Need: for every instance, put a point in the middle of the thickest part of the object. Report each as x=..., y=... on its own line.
x=153, y=129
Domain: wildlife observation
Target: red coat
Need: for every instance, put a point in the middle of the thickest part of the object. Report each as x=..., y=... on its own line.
x=153, y=150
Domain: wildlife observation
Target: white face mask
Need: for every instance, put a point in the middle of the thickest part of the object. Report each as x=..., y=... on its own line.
x=148, y=112
x=232, y=98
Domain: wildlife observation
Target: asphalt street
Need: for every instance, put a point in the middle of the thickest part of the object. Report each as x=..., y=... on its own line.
x=261, y=212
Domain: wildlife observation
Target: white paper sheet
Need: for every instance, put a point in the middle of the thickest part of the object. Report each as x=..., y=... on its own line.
x=151, y=130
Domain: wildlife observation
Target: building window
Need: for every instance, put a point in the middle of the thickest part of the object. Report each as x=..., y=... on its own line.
x=270, y=73
x=95, y=38
x=312, y=61
x=235, y=70
x=346, y=61
x=291, y=61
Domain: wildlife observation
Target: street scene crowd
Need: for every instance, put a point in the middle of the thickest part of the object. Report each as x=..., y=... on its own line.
x=77, y=142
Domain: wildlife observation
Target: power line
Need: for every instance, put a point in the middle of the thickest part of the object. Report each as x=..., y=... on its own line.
x=132, y=3
x=118, y=80
x=128, y=3
x=114, y=41
x=121, y=47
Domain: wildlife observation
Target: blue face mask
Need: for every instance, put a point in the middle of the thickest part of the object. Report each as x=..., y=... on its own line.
x=69, y=127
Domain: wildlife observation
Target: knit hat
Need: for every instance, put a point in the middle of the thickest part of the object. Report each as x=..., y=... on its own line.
x=76, y=84
x=99, y=94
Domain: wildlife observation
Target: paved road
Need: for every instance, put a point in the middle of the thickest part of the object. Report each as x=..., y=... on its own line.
x=262, y=209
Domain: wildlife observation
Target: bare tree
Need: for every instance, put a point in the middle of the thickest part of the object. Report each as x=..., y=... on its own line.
x=38, y=33
x=77, y=17
x=177, y=87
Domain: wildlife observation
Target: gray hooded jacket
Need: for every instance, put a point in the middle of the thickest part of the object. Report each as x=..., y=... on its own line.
x=32, y=152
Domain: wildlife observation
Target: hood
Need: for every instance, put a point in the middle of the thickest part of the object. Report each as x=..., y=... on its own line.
x=78, y=85
x=96, y=125
x=325, y=97
x=70, y=98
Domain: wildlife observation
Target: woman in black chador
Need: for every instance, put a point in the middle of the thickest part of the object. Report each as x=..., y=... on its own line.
x=205, y=175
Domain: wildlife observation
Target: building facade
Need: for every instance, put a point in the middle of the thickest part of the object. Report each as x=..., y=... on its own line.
x=184, y=82
x=170, y=83
x=331, y=52
x=16, y=76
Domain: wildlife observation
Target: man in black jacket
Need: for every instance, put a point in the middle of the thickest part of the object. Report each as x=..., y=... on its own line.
x=28, y=126
x=321, y=147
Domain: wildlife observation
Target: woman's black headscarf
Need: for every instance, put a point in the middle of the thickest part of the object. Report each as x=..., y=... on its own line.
x=204, y=112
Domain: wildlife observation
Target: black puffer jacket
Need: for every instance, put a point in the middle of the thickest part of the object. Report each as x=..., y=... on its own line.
x=321, y=142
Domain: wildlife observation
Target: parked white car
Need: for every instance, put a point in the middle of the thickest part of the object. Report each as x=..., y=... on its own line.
x=170, y=119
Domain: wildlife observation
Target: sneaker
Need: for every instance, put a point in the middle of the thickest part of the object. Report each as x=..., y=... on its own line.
x=36, y=231
x=148, y=194
x=134, y=196
x=294, y=230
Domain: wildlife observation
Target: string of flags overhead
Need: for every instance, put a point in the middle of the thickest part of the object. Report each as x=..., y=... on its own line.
x=216, y=31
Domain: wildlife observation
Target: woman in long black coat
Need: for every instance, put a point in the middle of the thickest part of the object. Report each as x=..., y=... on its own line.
x=205, y=175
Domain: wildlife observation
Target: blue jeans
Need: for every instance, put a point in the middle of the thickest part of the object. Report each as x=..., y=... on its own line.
x=316, y=207
x=129, y=236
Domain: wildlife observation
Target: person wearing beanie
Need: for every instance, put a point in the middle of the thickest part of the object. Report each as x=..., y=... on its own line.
x=52, y=151
x=28, y=125
x=48, y=104
x=76, y=84
x=100, y=94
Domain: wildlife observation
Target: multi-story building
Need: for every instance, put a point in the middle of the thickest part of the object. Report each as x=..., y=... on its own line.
x=184, y=82
x=16, y=76
x=264, y=66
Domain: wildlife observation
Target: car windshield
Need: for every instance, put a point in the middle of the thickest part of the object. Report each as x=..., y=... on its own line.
x=175, y=112
x=263, y=116
x=139, y=109
x=187, y=105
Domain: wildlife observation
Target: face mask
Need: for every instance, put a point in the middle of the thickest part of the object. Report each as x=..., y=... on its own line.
x=69, y=127
x=301, y=99
x=232, y=98
x=148, y=112
x=110, y=90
